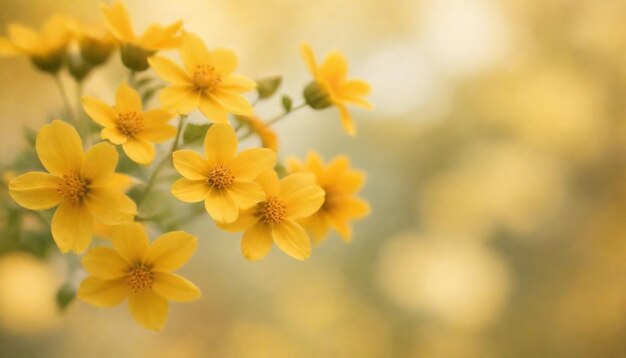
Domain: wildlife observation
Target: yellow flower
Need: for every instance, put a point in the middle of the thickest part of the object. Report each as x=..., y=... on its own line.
x=46, y=48
x=268, y=137
x=141, y=272
x=80, y=185
x=331, y=79
x=207, y=82
x=128, y=125
x=225, y=180
x=341, y=183
x=274, y=219
x=95, y=44
x=136, y=49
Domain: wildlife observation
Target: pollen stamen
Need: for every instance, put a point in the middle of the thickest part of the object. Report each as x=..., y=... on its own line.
x=206, y=79
x=140, y=278
x=73, y=187
x=220, y=177
x=272, y=211
x=130, y=123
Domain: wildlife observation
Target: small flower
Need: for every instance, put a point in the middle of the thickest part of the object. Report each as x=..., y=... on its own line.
x=95, y=44
x=136, y=49
x=141, y=272
x=225, y=180
x=341, y=183
x=207, y=82
x=127, y=124
x=268, y=137
x=330, y=79
x=80, y=185
x=275, y=218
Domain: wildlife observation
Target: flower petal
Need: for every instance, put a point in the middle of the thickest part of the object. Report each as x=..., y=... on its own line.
x=309, y=58
x=246, y=193
x=157, y=133
x=193, y=52
x=72, y=227
x=139, y=150
x=59, y=148
x=256, y=242
x=180, y=99
x=245, y=220
x=130, y=241
x=269, y=182
x=169, y=71
x=190, y=191
x=237, y=83
x=117, y=21
x=109, y=206
x=292, y=239
x=346, y=120
x=220, y=143
x=191, y=165
x=334, y=68
x=221, y=206
x=174, y=287
x=100, y=112
x=224, y=60
x=170, y=251
x=113, y=135
x=233, y=102
x=157, y=37
x=105, y=263
x=103, y=293
x=35, y=190
x=99, y=164
x=212, y=110
x=127, y=99
x=250, y=163
x=149, y=309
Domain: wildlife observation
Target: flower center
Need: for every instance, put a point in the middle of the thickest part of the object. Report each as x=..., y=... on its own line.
x=220, y=177
x=206, y=79
x=272, y=211
x=130, y=123
x=73, y=187
x=331, y=200
x=139, y=278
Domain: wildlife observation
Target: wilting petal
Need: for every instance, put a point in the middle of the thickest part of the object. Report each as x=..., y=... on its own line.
x=190, y=191
x=250, y=163
x=221, y=206
x=149, y=309
x=220, y=143
x=174, y=287
x=100, y=112
x=72, y=227
x=109, y=206
x=256, y=242
x=139, y=150
x=99, y=164
x=130, y=241
x=35, y=190
x=170, y=251
x=103, y=293
x=292, y=239
x=105, y=263
x=191, y=165
x=59, y=148
x=169, y=71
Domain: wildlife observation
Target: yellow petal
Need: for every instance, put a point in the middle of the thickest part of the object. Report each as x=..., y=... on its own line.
x=233, y=102
x=224, y=60
x=317, y=225
x=179, y=99
x=59, y=148
x=26, y=39
x=139, y=150
x=250, y=163
x=305, y=202
x=149, y=309
x=157, y=132
x=105, y=263
x=246, y=193
x=212, y=110
x=120, y=182
x=193, y=52
x=130, y=241
x=103, y=293
x=292, y=239
x=117, y=21
x=174, y=287
x=99, y=164
x=156, y=117
x=346, y=120
x=100, y=112
x=171, y=251
x=256, y=242
x=291, y=185
x=109, y=206
x=353, y=91
x=334, y=68
x=269, y=182
x=169, y=71
x=237, y=83
x=127, y=99
x=7, y=48
x=157, y=37
x=221, y=206
x=309, y=58
x=220, y=143
x=35, y=190
x=191, y=165
x=245, y=220
x=72, y=227
x=190, y=191
x=113, y=135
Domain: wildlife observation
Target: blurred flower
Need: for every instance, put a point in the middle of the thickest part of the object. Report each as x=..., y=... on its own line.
x=268, y=136
x=127, y=124
x=136, y=49
x=141, y=272
x=27, y=294
x=207, y=81
x=78, y=184
x=460, y=282
x=225, y=180
x=340, y=183
x=274, y=219
x=95, y=45
x=330, y=79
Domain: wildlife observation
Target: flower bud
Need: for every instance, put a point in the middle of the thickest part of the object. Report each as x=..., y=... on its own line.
x=78, y=68
x=95, y=51
x=135, y=58
x=266, y=87
x=51, y=63
x=316, y=96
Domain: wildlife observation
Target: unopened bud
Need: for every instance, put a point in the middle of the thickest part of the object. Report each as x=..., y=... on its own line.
x=316, y=96
x=266, y=87
x=95, y=51
x=135, y=58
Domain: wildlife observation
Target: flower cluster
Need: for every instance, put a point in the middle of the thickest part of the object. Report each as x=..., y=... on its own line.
x=247, y=191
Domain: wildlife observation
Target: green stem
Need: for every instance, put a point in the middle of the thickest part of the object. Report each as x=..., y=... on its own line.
x=65, y=98
x=85, y=119
x=275, y=119
x=131, y=78
x=166, y=159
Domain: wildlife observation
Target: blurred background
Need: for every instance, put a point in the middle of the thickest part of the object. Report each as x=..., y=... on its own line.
x=495, y=171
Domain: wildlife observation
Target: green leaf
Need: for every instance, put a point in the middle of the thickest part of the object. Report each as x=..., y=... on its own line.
x=287, y=103
x=143, y=82
x=266, y=87
x=195, y=133
x=65, y=296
